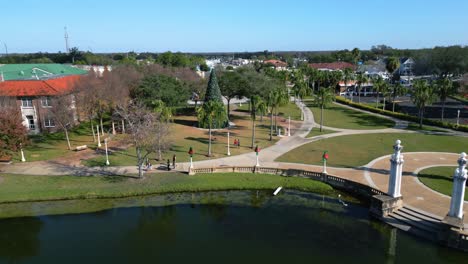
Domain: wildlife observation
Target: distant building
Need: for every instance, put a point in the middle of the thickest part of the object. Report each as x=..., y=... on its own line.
x=406, y=67
x=277, y=64
x=31, y=88
x=333, y=66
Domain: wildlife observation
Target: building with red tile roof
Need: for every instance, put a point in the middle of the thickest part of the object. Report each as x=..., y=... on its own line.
x=279, y=65
x=33, y=98
x=333, y=66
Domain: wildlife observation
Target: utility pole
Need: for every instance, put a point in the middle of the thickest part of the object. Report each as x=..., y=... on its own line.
x=67, y=48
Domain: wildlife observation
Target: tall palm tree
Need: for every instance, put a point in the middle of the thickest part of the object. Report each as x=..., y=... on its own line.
x=378, y=83
x=361, y=78
x=422, y=95
x=322, y=98
x=398, y=90
x=385, y=90
x=445, y=88
x=347, y=76
x=280, y=98
x=214, y=114
x=258, y=105
x=393, y=63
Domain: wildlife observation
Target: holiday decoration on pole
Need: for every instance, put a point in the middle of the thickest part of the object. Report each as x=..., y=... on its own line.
x=324, y=159
x=190, y=152
x=257, y=150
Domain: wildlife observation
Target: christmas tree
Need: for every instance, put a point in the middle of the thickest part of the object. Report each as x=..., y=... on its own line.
x=213, y=93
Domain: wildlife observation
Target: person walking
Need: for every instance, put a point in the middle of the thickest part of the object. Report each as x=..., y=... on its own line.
x=168, y=165
x=235, y=142
x=173, y=161
x=238, y=143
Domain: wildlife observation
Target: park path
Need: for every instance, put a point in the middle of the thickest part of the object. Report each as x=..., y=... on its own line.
x=374, y=174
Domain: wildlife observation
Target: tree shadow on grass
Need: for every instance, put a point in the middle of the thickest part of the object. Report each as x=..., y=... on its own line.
x=189, y=123
x=435, y=177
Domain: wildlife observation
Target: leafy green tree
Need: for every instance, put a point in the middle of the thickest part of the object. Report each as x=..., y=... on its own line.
x=361, y=78
x=12, y=132
x=397, y=90
x=422, y=95
x=445, y=88
x=322, y=98
x=385, y=90
x=164, y=116
x=212, y=113
x=232, y=85
x=280, y=98
x=161, y=87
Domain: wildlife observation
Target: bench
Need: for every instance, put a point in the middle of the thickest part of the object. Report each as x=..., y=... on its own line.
x=5, y=159
x=79, y=148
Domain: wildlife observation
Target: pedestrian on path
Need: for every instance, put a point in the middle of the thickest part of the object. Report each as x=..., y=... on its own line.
x=168, y=165
x=238, y=143
x=235, y=142
x=173, y=160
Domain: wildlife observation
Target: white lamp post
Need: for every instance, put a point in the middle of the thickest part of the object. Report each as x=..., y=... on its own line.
x=458, y=117
x=22, y=153
x=107, y=155
x=98, y=137
x=289, y=126
x=229, y=151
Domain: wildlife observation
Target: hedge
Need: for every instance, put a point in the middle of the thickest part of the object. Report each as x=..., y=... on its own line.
x=402, y=116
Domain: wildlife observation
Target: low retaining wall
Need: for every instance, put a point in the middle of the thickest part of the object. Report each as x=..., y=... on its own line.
x=356, y=188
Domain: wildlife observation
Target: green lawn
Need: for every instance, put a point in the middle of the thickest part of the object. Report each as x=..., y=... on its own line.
x=50, y=146
x=316, y=132
x=341, y=117
x=16, y=188
x=184, y=134
x=358, y=150
x=439, y=179
x=289, y=109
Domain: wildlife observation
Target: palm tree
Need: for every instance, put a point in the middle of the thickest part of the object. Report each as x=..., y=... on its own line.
x=213, y=114
x=422, y=95
x=398, y=90
x=258, y=105
x=385, y=90
x=392, y=64
x=271, y=105
x=280, y=98
x=347, y=76
x=378, y=84
x=444, y=89
x=322, y=98
x=361, y=78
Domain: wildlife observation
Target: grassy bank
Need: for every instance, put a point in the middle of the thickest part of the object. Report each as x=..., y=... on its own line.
x=439, y=179
x=358, y=150
x=341, y=117
x=22, y=188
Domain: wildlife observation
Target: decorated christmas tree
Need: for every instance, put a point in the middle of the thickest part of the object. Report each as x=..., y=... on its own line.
x=213, y=93
x=213, y=110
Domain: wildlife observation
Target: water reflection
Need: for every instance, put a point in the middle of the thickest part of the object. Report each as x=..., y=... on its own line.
x=19, y=239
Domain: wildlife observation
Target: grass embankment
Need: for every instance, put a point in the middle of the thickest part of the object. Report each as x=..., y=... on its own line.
x=22, y=188
x=439, y=179
x=358, y=150
x=341, y=117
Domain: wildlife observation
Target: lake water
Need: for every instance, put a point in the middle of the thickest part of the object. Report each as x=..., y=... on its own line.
x=213, y=227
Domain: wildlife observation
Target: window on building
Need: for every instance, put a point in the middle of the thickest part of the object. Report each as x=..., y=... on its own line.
x=49, y=122
x=45, y=101
x=26, y=102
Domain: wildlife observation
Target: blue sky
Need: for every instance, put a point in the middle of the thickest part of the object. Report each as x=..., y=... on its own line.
x=241, y=25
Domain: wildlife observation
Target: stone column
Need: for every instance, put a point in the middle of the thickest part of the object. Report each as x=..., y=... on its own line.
x=396, y=170
x=458, y=191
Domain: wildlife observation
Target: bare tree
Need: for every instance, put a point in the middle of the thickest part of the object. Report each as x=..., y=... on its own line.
x=63, y=113
x=142, y=128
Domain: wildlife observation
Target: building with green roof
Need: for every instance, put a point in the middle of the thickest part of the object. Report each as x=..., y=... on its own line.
x=38, y=71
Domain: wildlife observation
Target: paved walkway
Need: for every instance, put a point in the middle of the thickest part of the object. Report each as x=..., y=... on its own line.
x=374, y=174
